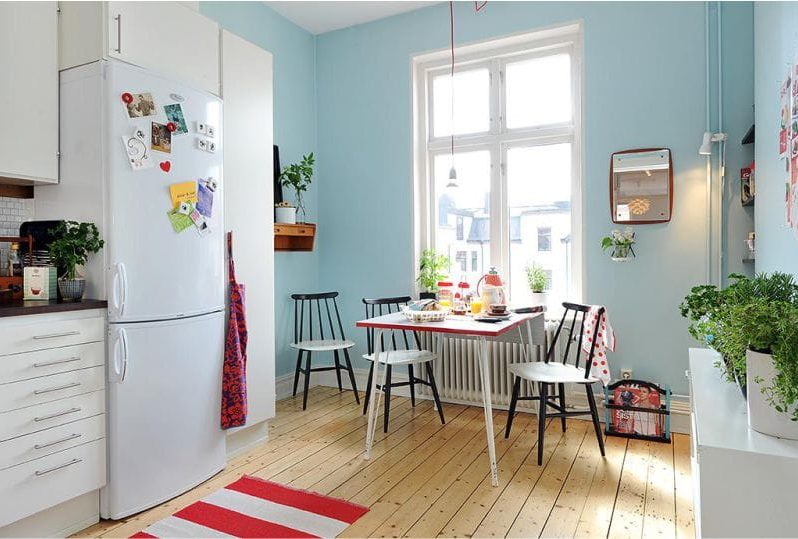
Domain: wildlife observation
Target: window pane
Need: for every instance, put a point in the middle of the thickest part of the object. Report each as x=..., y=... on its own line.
x=471, y=103
x=539, y=194
x=538, y=91
x=469, y=204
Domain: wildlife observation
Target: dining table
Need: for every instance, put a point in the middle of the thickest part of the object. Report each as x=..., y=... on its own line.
x=529, y=328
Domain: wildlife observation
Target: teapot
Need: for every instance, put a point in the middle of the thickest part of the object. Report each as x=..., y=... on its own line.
x=492, y=293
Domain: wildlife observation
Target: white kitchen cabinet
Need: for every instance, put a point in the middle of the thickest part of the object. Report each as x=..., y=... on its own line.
x=52, y=421
x=744, y=481
x=29, y=92
x=247, y=94
x=165, y=37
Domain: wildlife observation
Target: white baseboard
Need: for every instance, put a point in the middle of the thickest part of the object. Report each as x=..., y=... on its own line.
x=680, y=404
x=243, y=439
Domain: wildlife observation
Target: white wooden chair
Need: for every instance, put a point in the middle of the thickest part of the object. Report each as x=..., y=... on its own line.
x=397, y=355
x=551, y=372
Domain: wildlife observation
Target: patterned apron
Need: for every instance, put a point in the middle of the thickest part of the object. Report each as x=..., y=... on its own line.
x=234, y=373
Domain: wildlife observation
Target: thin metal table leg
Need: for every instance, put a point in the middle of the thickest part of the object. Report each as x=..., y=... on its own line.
x=484, y=373
x=373, y=404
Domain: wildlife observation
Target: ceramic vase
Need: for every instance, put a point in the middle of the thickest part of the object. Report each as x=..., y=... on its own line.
x=762, y=417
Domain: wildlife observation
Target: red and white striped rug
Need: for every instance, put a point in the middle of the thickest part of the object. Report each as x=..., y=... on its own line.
x=253, y=507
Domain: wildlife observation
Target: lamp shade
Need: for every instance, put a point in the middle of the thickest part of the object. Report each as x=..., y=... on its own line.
x=452, y=178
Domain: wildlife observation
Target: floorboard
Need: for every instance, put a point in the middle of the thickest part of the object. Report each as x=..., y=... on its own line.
x=425, y=479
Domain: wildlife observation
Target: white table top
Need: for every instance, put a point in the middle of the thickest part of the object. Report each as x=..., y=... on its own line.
x=454, y=324
x=721, y=414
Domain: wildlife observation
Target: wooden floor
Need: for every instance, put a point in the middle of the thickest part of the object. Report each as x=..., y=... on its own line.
x=427, y=480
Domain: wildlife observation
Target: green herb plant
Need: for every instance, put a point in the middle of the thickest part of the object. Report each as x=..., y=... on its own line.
x=73, y=244
x=298, y=176
x=432, y=268
x=536, y=278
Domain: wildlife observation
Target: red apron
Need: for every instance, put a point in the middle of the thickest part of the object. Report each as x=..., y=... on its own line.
x=234, y=373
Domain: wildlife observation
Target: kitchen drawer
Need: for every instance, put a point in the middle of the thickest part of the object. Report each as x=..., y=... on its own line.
x=49, y=388
x=45, y=362
x=15, y=339
x=51, y=414
x=30, y=487
x=47, y=442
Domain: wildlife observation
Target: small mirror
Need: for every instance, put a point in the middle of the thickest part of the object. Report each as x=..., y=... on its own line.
x=641, y=186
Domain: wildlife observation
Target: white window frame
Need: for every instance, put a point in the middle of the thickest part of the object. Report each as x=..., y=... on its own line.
x=495, y=54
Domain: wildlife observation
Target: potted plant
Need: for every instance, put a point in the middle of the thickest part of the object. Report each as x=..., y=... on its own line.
x=298, y=176
x=432, y=268
x=285, y=213
x=620, y=243
x=73, y=244
x=538, y=282
x=753, y=324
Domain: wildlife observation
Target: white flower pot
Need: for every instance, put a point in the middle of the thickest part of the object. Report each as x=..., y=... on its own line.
x=762, y=417
x=285, y=215
x=539, y=298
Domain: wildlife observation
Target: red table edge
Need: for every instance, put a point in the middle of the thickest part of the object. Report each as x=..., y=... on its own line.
x=450, y=331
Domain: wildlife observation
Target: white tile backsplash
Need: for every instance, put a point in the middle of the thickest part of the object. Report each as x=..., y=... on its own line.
x=13, y=211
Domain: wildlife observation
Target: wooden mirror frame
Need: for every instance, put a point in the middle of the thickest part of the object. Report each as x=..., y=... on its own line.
x=670, y=188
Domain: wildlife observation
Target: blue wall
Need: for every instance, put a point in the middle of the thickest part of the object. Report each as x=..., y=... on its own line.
x=644, y=86
x=294, y=52
x=775, y=48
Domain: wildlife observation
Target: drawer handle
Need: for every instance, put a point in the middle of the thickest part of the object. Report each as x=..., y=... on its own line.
x=49, y=444
x=118, y=33
x=40, y=473
x=56, y=362
x=56, y=335
x=56, y=388
x=57, y=414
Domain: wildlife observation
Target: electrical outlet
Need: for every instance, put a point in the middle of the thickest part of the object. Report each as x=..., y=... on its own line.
x=626, y=374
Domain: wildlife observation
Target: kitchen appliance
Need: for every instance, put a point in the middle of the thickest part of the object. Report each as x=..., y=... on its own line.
x=165, y=289
x=492, y=292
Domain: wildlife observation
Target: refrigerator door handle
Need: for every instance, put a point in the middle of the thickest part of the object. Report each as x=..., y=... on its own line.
x=119, y=289
x=119, y=362
x=123, y=338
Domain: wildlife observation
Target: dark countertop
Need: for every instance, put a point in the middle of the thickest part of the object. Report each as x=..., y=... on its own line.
x=22, y=308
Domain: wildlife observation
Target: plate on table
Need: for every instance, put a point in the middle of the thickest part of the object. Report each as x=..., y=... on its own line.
x=492, y=317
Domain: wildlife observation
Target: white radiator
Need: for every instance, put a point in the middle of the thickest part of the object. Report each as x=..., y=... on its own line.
x=457, y=370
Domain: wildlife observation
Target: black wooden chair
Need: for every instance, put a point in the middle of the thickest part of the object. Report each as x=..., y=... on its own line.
x=399, y=352
x=307, y=341
x=551, y=372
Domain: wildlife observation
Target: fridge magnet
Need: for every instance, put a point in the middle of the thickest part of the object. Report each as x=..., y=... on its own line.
x=177, y=97
x=210, y=130
x=185, y=208
x=174, y=113
x=161, y=138
x=211, y=147
x=166, y=166
x=183, y=192
x=204, y=198
x=638, y=409
x=180, y=221
x=202, y=144
x=139, y=105
x=197, y=218
x=202, y=128
x=138, y=156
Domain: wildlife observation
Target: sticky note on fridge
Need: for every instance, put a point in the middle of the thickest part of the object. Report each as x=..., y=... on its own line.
x=183, y=192
x=204, y=200
x=180, y=221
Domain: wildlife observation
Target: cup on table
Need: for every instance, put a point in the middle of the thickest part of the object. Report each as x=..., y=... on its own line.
x=498, y=308
x=476, y=305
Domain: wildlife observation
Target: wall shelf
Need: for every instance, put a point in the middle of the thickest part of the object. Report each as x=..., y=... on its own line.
x=749, y=137
x=298, y=237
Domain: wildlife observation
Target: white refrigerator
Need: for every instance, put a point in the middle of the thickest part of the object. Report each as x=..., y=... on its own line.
x=165, y=289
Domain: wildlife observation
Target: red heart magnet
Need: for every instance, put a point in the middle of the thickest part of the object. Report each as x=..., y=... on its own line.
x=127, y=97
x=171, y=127
x=165, y=166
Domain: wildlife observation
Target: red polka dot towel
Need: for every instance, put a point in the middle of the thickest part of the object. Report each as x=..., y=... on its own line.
x=605, y=341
